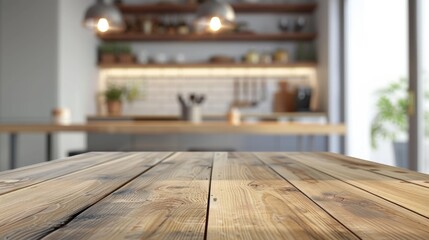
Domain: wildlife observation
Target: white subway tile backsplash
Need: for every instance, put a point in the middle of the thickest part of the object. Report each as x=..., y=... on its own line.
x=159, y=95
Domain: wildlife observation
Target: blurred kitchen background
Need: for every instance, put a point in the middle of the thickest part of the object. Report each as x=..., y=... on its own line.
x=305, y=61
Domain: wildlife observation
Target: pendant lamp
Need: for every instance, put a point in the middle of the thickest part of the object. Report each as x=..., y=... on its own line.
x=214, y=15
x=103, y=17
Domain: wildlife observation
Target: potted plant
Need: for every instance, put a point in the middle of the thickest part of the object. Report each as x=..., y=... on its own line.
x=391, y=120
x=114, y=97
x=107, y=53
x=125, y=54
x=116, y=94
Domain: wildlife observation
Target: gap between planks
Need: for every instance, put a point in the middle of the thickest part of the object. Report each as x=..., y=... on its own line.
x=310, y=199
x=57, y=169
x=402, y=174
x=397, y=191
x=70, y=198
x=209, y=196
x=167, y=202
x=396, y=221
x=251, y=201
x=72, y=217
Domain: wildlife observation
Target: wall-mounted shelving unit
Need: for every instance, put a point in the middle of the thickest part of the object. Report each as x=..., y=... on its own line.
x=166, y=8
x=306, y=8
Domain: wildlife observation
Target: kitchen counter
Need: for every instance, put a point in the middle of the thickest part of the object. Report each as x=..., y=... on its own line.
x=213, y=195
x=159, y=127
x=292, y=116
x=164, y=127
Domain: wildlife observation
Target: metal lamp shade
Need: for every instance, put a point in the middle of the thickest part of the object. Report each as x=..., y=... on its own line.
x=215, y=8
x=102, y=10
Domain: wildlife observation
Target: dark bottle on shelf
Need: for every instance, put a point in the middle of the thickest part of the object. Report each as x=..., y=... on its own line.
x=303, y=97
x=300, y=24
x=171, y=27
x=284, y=24
x=161, y=27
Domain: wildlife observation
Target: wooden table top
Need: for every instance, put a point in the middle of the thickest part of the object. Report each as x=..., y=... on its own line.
x=178, y=127
x=213, y=196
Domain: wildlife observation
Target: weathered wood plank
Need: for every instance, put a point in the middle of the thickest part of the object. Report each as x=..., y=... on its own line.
x=250, y=201
x=368, y=216
x=394, y=172
x=41, y=164
x=167, y=202
x=33, y=212
x=33, y=174
x=403, y=193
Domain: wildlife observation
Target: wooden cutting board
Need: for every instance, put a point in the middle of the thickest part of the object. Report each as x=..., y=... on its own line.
x=284, y=99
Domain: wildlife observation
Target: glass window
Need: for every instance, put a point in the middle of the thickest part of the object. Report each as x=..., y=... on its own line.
x=377, y=82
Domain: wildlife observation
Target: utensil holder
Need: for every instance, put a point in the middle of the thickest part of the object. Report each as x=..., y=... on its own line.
x=192, y=114
x=195, y=115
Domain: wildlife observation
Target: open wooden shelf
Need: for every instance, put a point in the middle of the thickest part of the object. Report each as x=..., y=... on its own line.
x=209, y=65
x=239, y=7
x=209, y=37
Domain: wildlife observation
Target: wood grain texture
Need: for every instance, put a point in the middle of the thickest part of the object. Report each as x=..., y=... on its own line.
x=33, y=174
x=394, y=172
x=368, y=216
x=167, y=202
x=250, y=201
x=213, y=196
x=35, y=211
x=403, y=193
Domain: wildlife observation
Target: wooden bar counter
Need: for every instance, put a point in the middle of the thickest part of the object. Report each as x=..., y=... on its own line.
x=156, y=127
x=164, y=127
x=164, y=195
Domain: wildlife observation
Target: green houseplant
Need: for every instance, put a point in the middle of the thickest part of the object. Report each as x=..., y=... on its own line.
x=111, y=53
x=107, y=53
x=391, y=119
x=116, y=94
x=125, y=54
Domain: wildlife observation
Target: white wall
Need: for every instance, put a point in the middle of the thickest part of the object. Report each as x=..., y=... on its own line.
x=3, y=153
x=77, y=70
x=47, y=61
x=29, y=69
x=329, y=63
